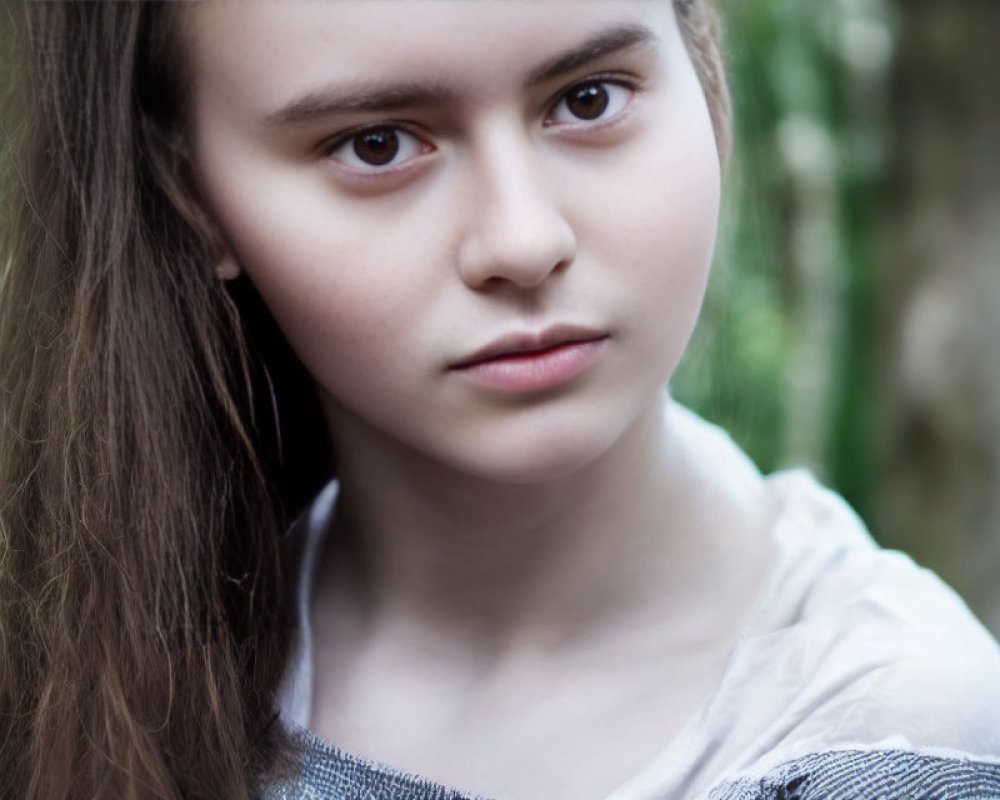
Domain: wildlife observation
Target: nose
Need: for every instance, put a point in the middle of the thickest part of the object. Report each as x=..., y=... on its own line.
x=516, y=233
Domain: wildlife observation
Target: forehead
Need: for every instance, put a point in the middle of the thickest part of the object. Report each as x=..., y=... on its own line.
x=267, y=51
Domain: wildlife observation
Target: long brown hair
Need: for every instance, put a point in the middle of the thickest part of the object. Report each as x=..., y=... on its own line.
x=149, y=464
x=143, y=626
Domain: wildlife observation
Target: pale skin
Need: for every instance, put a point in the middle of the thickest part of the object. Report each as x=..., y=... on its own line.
x=540, y=586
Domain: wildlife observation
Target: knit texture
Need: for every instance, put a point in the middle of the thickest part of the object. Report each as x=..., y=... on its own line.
x=331, y=774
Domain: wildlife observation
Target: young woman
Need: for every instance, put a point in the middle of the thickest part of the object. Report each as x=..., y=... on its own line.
x=449, y=254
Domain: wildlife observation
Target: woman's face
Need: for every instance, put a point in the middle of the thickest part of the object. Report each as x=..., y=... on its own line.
x=485, y=227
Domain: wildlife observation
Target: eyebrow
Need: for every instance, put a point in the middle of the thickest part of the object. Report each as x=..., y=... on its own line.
x=620, y=37
x=373, y=98
x=354, y=99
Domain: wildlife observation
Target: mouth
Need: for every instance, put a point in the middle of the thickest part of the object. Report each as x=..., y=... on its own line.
x=526, y=362
x=521, y=345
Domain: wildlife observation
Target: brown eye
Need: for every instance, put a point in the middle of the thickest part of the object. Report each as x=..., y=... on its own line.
x=380, y=148
x=587, y=101
x=376, y=146
x=592, y=102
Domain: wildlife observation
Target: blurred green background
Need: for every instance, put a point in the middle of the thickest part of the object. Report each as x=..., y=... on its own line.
x=853, y=319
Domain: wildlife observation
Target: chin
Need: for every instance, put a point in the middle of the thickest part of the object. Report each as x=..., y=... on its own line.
x=538, y=457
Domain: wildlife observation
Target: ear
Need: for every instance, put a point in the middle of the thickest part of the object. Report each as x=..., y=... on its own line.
x=173, y=167
x=227, y=266
x=184, y=195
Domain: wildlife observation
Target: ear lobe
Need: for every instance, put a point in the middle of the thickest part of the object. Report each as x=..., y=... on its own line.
x=226, y=265
x=192, y=208
x=226, y=268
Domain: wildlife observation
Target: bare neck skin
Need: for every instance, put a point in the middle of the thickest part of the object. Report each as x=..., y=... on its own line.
x=618, y=542
x=496, y=637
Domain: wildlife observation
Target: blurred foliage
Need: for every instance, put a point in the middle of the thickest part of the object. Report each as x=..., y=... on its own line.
x=783, y=356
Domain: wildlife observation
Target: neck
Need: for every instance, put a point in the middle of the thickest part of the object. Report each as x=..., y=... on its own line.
x=630, y=535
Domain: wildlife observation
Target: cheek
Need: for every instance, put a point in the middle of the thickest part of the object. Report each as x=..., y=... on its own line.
x=340, y=284
x=659, y=226
x=352, y=336
x=339, y=309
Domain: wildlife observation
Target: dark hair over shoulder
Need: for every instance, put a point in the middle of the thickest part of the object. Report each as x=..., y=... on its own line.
x=143, y=617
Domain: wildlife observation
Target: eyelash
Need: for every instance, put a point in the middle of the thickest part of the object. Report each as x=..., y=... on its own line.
x=403, y=139
x=615, y=84
x=347, y=144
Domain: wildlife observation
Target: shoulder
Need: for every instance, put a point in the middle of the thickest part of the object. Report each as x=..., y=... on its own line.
x=850, y=641
x=883, y=651
x=857, y=665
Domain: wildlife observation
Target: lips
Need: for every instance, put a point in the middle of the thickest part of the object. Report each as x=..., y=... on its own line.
x=526, y=362
x=523, y=344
